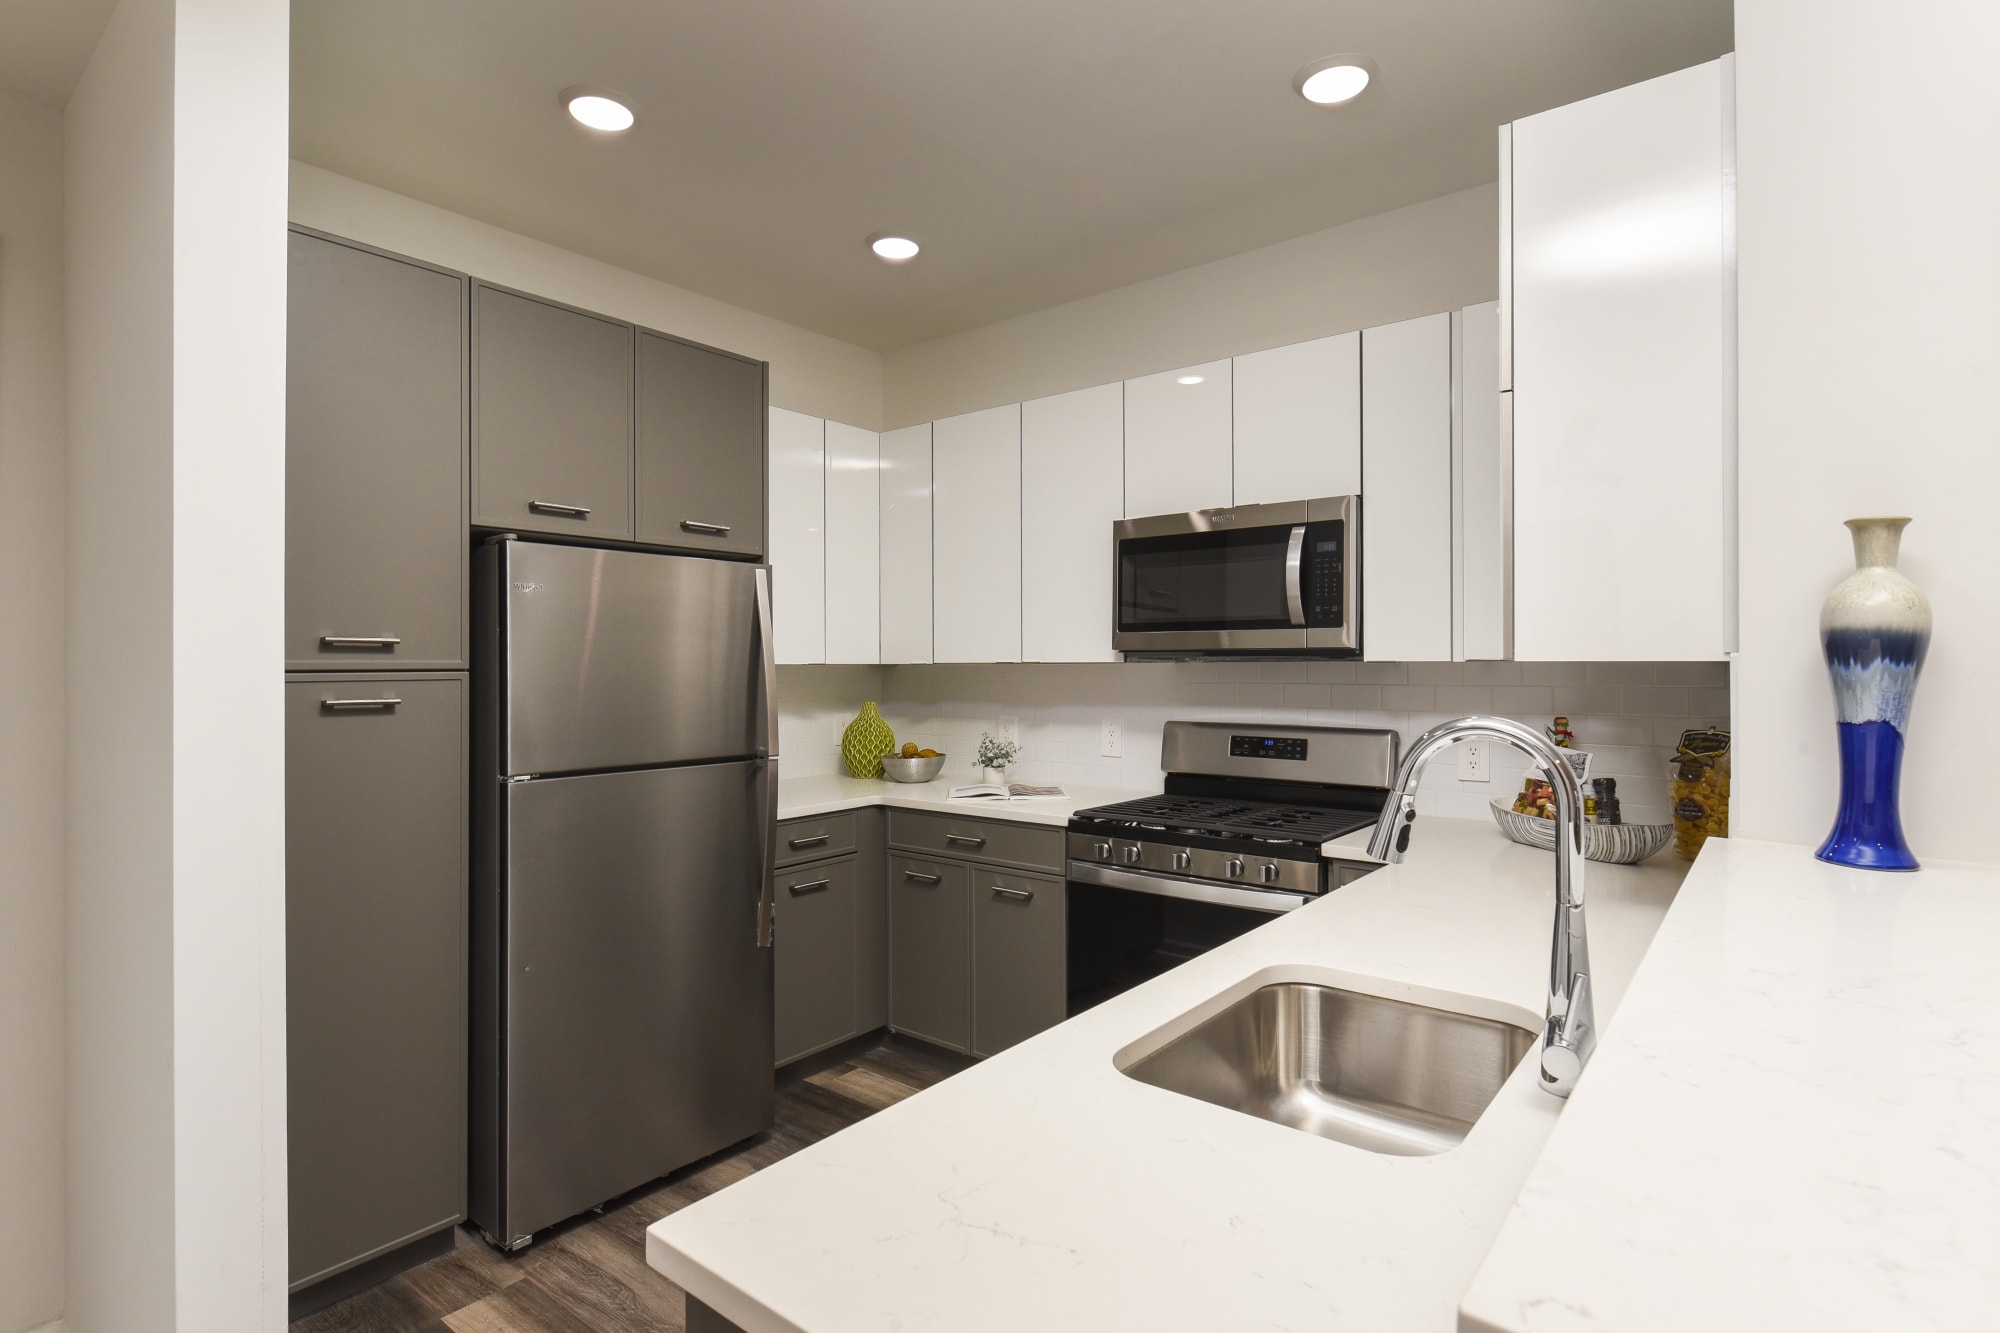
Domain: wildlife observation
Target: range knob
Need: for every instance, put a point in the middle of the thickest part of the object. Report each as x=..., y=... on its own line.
x=1233, y=867
x=1131, y=854
x=1180, y=861
x=1101, y=850
x=1268, y=873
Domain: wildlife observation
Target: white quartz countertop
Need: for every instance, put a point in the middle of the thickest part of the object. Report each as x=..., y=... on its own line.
x=1794, y=1125
x=824, y=795
x=1043, y=1189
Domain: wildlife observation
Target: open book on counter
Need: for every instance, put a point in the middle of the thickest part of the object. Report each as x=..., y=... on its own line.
x=993, y=791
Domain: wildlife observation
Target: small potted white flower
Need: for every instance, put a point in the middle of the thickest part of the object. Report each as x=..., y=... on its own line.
x=994, y=757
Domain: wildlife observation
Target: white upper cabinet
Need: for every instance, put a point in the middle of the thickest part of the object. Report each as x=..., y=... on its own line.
x=853, y=544
x=1480, y=489
x=906, y=544
x=1298, y=421
x=1622, y=327
x=1072, y=490
x=1177, y=441
x=976, y=598
x=1406, y=487
x=798, y=535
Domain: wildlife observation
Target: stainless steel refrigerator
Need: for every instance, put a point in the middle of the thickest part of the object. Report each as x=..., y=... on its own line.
x=625, y=794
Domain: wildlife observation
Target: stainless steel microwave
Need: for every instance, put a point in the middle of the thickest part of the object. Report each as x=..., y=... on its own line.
x=1276, y=579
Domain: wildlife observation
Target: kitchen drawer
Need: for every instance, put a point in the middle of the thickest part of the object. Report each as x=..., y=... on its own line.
x=802, y=840
x=815, y=965
x=1035, y=846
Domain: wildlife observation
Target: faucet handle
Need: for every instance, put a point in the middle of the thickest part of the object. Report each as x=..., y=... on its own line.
x=1564, y=1050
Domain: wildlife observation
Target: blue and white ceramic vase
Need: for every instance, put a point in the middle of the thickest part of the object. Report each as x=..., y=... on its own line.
x=1875, y=627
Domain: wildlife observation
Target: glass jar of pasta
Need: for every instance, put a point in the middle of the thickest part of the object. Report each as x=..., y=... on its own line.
x=1699, y=774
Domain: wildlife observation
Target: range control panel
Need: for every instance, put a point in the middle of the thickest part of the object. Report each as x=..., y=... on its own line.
x=1268, y=747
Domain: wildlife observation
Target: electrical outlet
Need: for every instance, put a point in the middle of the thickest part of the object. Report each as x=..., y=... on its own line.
x=1114, y=739
x=1472, y=762
x=1010, y=730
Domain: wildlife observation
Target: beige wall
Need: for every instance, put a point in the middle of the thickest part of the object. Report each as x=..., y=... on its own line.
x=1437, y=255
x=810, y=372
x=1867, y=351
x=31, y=715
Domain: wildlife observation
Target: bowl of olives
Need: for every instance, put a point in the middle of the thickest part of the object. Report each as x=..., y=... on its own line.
x=911, y=764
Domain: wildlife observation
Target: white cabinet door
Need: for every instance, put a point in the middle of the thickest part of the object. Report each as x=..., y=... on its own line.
x=798, y=535
x=1072, y=490
x=1298, y=421
x=977, y=549
x=1406, y=558
x=906, y=544
x=1480, y=489
x=1177, y=433
x=853, y=538
x=1623, y=374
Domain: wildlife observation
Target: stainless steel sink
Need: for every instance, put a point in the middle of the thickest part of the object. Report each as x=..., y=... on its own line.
x=1379, y=1074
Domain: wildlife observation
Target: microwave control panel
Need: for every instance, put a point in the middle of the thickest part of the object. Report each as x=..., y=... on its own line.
x=1324, y=573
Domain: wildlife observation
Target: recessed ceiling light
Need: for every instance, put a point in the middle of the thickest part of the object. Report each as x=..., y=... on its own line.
x=893, y=246
x=598, y=109
x=1334, y=80
x=1187, y=379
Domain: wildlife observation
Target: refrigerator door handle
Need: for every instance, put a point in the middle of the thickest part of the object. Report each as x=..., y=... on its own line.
x=767, y=759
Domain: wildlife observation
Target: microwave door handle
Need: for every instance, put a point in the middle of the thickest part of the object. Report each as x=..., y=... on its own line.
x=1295, y=575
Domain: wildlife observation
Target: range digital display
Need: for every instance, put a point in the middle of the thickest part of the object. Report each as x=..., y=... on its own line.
x=1268, y=747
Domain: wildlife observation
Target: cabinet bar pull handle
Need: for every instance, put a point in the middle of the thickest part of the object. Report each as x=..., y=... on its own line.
x=706, y=529
x=965, y=839
x=1005, y=892
x=550, y=507
x=358, y=640
x=811, y=886
x=384, y=702
x=921, y=879
x=813, y=841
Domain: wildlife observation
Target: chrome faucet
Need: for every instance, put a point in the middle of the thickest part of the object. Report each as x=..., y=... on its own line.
x=1570, y=1033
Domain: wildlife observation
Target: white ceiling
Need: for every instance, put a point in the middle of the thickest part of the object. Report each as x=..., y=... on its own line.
x=44, y=45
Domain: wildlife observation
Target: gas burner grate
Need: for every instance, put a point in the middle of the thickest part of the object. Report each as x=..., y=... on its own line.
x=1263, y=820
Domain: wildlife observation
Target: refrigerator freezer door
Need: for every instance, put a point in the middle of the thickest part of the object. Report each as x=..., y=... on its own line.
x=618, y=659
x=637, y=1005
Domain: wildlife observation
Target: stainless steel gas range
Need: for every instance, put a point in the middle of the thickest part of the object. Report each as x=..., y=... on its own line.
x=1234, y=839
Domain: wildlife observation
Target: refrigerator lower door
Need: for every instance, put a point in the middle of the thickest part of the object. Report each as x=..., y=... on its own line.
x=635, y=1004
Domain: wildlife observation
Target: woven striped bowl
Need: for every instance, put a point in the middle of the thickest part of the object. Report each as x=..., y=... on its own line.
x=1617, y=844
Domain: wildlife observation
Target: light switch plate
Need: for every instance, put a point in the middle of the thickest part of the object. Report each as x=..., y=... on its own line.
x=1113, y=746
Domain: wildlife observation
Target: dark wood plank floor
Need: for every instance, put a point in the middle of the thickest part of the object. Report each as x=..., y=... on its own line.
x=590, y=1275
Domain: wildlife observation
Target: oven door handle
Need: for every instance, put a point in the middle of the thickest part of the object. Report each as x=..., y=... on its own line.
x=1295, y=576
x=1269, y=901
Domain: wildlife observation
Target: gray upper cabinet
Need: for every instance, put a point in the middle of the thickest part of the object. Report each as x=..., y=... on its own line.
x=551, y=417
x=375, y=439
x=1019, y=982
x=930, y=924
x=375, y=935
x=700, y=447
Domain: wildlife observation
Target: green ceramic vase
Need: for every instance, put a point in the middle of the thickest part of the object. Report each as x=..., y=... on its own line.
x=865, y=741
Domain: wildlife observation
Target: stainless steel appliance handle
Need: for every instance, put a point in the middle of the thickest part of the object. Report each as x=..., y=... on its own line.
x=810, y=886
x=1022, y=895
x=1295, y=575
x=384, y=702
x=965, y=839
x=358, y=640
x=767, y=758
x=551, y=507
x=796, y=843
x=1269, y=901
x=705, y=529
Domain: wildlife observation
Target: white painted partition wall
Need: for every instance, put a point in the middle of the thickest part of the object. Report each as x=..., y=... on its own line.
x=853, y=544
x=1177, y=441
x=976, y=550
x=906, y=544
x=1072, y=491
x=798, y=535
x=1297, y=413
x=1623, y=373
x=1406, y=520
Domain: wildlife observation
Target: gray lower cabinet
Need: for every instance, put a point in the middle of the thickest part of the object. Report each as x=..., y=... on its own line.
x=930, y=935
x=551, y=417
x=1019, y=969
x=700, y=447
x=831, y=965
x=375, y=440
x=375, y=931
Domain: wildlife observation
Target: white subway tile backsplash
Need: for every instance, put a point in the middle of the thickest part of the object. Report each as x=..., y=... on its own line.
x=1710, y=702
x=1435, y=673
x=1382, y=673
x=1497, y=673
x=1465, y=699
x=1691, y=673
x=1409, y=697
x=1618, y=673
x=1533, y=699
x=1654, y=701
x=1552, y=673
x=1308, y=695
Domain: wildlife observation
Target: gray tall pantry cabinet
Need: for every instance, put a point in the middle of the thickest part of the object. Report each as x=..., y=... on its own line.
x=376, y=763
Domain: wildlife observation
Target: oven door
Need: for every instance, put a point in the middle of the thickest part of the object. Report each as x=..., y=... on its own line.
x=1279, y=578
x=1127, y=927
